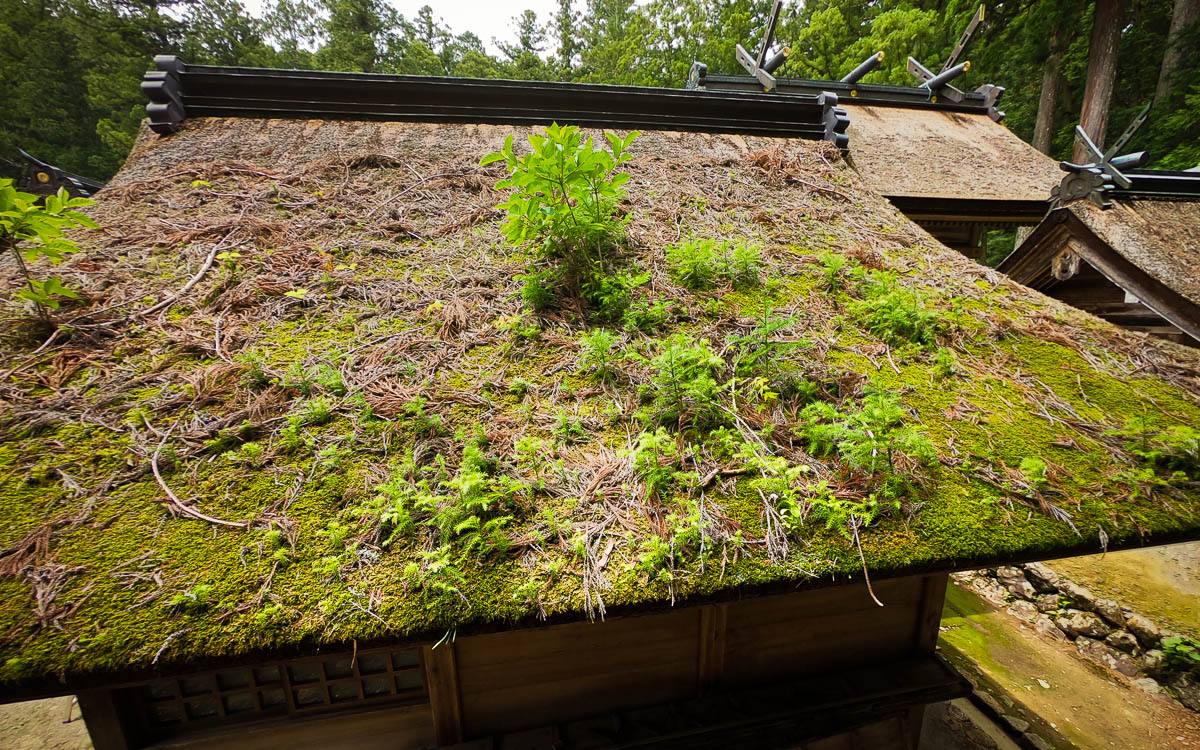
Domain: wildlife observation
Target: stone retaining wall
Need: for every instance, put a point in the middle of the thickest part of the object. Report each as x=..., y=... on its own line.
x=1101, y=629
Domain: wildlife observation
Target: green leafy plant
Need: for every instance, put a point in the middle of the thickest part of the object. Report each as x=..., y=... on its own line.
x=693, y=262
x=646, y=316
x=656, y=459
x=436, y=575
x=1035, y=471
x=1181, y=655
x=780, y=483
x=568, y=428
x=520, y=328
x=30, y=231
x=317, y=410
x=872, y=439
x=598, y=354
x=834, y=269
x=698, y=263
x=250, y=454
x=759, y=351
x=898, y=314
x=609, y=295
x=473, y=507
x=420, y=419
x=684, y=378
x=945, y=363
x=309, y=380
x=564, y=191
x=1175, y=449
x=195, y=599
x=742, y=263
x=537, y=289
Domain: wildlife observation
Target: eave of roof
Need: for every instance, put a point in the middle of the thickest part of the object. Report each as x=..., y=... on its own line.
x=1073, y=227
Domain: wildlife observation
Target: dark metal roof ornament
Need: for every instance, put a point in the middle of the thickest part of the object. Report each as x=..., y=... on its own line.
x=864, y=67
x=162, y=87
x=1099, y=177
x=938, y=84
x=41, y=178
x=761, y=66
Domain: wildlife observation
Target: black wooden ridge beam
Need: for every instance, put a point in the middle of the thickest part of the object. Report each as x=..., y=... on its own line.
x=981, y=101
x=177, y=90
x=44, y=177
x=1156, y=183
x=1097, y=183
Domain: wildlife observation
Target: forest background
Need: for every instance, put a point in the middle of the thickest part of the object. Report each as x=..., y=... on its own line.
x=70, y=69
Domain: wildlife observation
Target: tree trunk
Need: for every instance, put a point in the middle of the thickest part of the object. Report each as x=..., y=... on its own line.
x=1184, y=14
x=1101, y=73
x=1043, y=129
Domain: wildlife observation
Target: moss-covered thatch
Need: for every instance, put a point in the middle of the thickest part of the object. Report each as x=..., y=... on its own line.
x=385, y=442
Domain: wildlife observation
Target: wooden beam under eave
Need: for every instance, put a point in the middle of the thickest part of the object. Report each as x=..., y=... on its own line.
x=103, y=720
x=929, y=617
x=929, y=612
x=441, y=679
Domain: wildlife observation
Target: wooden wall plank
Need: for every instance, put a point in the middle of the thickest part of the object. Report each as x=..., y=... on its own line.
x=711, y=656
x=519, y=679
x=441, y=679
x=783, y=636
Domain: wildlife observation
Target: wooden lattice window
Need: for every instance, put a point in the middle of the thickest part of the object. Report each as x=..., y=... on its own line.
x=185, y=703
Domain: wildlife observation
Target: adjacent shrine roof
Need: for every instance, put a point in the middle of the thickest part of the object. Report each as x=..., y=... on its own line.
x=924, y=153
x=1149, y=247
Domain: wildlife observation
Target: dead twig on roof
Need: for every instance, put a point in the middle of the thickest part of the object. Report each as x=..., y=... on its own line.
x=863, y=559
x=819, y=189
x=414, y=186
x=166, y=643
x=182, y=506
x=208, y=261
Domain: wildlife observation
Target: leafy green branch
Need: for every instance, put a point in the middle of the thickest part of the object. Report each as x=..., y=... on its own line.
x=32, y=231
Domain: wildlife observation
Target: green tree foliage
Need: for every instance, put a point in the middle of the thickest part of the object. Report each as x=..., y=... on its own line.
x=525, y=61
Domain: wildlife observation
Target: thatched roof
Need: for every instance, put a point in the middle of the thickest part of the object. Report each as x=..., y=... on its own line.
x=930, y=153
x=356, y=364
x=1160, y=237
x=1149, y=248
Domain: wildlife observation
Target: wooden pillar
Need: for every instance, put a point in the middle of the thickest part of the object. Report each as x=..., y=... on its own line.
x=441, y=678
x=711, y=654
x=929, y=617
x=103, y=720
x=929, y=614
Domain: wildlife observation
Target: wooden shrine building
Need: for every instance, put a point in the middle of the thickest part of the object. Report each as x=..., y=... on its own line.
x=1126, y=254
x=337, y=476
